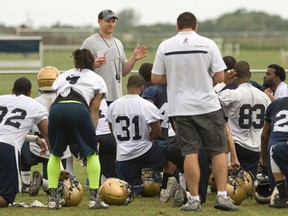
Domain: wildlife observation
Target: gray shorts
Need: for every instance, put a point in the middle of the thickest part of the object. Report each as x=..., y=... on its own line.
x=206, y=130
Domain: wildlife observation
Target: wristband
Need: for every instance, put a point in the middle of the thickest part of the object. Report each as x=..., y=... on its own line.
x=219, y=87
x=30, y=138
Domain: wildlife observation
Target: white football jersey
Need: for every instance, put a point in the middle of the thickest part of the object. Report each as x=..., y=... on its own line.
x=85, y=82
x=102, y=126
x=130, y=117
x=17, y=116
x=245, y=108
x=46, y=100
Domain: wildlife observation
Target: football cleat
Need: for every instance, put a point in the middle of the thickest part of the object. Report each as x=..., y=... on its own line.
x=53, y=199
x=35, y=184
x=95, y=202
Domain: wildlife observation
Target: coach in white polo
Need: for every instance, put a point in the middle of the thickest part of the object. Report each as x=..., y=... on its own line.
x=190, y=65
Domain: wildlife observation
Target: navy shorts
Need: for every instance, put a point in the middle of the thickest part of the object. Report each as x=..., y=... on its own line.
x=279, y=153
x=206, y=130
x=131, y=170
x=8, y=172
x=71, y=123
x=28, y=159
x=248, y=159
x=107, y=154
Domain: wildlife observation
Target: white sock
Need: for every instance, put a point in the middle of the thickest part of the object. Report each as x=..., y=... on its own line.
x=222, y=193
x=191, y=198
x=45, y=184
x=69, y=165
x=25, y=175
x=182, y=180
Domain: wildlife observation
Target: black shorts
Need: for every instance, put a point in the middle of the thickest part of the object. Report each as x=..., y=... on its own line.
x=9, y=172
x=207, y=130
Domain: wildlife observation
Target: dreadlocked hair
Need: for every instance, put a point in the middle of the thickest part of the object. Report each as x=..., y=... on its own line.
x=83, y=59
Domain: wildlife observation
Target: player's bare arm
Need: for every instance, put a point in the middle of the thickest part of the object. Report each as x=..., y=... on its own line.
x=158, y=79
x=94, y=108
x=43, y=128
x=264, y=143
x=155, y=130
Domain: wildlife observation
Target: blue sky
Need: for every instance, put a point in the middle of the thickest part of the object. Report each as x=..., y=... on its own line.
x=74, y=12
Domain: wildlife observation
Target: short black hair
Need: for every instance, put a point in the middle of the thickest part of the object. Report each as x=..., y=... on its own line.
x=22, y=86
x=135, y=81
x=145, y=71
x=229, y=61
x=279, y=71
x=243, y=69
x=186, y=20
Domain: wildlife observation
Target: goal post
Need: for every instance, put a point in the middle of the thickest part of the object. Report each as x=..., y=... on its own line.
x=21, y=52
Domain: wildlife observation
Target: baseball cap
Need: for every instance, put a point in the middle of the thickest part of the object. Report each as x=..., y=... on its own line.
x=107, y=14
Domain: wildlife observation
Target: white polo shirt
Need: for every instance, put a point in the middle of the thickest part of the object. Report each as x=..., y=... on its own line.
x=190, y=62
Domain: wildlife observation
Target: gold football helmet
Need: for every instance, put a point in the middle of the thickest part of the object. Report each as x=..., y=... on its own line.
x=45, y=78
x=248, y=181
x=151, y=182
x=73, y=192
x=115, y=191
x=235, y=189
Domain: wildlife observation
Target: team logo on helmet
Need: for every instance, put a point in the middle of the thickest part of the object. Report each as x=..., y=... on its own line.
x=235, y=189
x=151, y=182
x=247, y=181
x=70, y=190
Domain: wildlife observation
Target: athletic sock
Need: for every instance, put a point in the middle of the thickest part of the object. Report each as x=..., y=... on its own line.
x=93, y=171
x=53, y=170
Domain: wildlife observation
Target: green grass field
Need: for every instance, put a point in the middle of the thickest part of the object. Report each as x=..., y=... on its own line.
x=140, y=206
x=148, y=206
x=62, y=60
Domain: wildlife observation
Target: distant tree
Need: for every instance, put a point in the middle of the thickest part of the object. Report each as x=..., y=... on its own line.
x=243, y=21
x=128, y=18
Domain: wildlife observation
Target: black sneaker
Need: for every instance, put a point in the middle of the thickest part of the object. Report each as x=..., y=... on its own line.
x=279, y=203
x=35, y=184
x=53, y=199
x=95, y=202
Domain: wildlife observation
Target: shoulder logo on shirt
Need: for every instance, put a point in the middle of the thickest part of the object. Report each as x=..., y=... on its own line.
x=185, y=41
x=72, y=79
